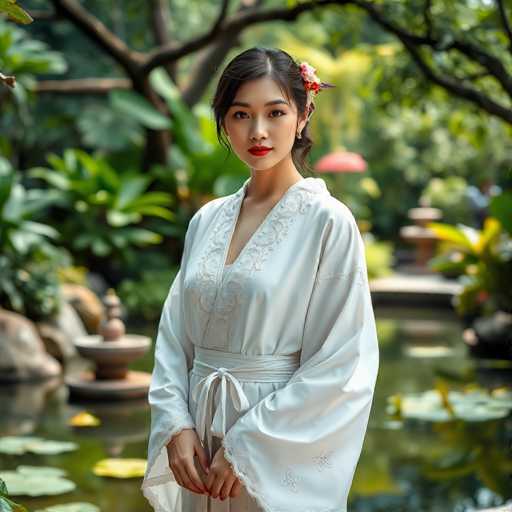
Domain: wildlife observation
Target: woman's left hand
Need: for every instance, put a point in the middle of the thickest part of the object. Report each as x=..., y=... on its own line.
x=222, y=481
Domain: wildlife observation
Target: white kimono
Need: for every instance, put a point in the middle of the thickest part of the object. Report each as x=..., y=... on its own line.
x=275, y=356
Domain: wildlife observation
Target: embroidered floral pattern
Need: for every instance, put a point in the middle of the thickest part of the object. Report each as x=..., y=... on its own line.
x=217, y=289
x=323, y=461
x=290, y=479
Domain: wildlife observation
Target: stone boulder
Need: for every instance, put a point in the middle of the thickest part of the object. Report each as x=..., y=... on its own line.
x=23, y=354
x=86, y=303
x=60, y=334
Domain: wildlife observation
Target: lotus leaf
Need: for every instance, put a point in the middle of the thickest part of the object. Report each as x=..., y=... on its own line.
x=84, y=419
x=15, y=445
x=19, y=445
x=30, y=481
x=438, y=406
x=120, y=468
x=71, y=507
x=41, y=471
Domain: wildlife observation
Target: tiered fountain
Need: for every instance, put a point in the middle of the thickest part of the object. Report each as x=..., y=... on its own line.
x=112, y=350
x=423, y=238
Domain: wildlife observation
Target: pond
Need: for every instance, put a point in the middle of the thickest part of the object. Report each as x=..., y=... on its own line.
x=418, y=466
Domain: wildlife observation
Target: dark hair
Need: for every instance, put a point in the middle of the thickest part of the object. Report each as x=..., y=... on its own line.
x=258, y=62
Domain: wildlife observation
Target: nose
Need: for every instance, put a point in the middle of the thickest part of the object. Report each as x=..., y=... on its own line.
x=258, y=129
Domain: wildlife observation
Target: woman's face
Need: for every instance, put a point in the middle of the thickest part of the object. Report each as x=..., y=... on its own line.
x=253, y=120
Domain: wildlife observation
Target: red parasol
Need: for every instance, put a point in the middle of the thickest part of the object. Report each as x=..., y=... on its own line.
x=341, y=161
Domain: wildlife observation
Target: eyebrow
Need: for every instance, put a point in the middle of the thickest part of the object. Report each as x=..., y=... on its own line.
x=244, y=104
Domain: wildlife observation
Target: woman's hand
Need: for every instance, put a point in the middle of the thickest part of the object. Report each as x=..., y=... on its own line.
x=181, y=450
x=222, y=481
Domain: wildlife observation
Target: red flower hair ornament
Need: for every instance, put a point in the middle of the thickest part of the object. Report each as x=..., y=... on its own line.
x=312, y=84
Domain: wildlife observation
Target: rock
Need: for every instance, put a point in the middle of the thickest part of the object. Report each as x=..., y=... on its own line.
x=59, y=335
x=493, y=336
x=86, y=303
x=22, y=352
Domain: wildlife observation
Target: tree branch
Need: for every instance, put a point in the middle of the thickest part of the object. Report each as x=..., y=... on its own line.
x=488, y=61
x=207, y=64
x=457, y=88
x=506, y=23
x=427, y=16
x=160, y=21
x=99, y=33
x=82, y=85
x=232, y=26
x=40, y=15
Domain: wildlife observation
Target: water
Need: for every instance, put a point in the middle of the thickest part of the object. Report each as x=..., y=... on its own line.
x=419, y=466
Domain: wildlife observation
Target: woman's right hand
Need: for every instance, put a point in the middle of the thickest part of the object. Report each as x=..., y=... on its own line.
x=181, y=450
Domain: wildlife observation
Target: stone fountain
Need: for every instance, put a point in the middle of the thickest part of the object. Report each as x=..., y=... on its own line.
x=112, y=350
x=423, y=238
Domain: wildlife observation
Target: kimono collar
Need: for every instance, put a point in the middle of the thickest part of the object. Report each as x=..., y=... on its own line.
x=310, y=183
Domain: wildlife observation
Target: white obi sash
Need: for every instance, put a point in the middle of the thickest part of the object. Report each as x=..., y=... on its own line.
x=231, y=369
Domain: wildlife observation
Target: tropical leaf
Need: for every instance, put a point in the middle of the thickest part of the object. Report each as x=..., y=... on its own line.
x=138, y=108
x=15, y=12
x=451, y=234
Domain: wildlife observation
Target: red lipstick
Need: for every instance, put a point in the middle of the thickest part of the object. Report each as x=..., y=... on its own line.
x=259, y=150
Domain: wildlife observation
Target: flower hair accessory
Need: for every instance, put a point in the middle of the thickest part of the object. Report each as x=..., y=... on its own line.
x=312, y=84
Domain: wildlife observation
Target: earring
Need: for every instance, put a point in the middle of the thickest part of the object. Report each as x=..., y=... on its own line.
x=299, y=135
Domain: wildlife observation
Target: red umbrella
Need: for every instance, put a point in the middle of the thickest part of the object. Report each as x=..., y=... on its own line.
x=341, y=161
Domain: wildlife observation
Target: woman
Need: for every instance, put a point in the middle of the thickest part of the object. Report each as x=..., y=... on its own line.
x=266, y=355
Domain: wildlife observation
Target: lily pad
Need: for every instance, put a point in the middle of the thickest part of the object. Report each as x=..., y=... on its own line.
x=438, y=406
x=13, y=445
x=71, y=507
x=36, y=481
x=84, y=419
x=120, y=468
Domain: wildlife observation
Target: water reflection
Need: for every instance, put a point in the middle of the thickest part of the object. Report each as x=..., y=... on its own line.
x=415, y=466
x=425, y=466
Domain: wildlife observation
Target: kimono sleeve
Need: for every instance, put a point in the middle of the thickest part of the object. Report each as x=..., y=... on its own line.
x=298, y=448
x=169, y=388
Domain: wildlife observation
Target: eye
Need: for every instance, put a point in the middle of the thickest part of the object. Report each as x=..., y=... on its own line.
x=281, y=112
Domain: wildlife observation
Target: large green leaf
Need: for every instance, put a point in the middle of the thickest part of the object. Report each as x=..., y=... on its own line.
x=451, y=234
x=131, y=188
x=15, y=12
x=185, y=131
x=137, y=107
x=501, y=208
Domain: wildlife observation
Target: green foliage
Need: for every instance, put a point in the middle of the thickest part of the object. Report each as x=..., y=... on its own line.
x=28, y=260
x=30, y=284
x=15, y=12
x=379, y=258
x=18, y=232
x=137, y=107
x=24, y=57
x=101, y=209
x=449, y=195
x=484, y=258
x=104, y=127
x=143, y=297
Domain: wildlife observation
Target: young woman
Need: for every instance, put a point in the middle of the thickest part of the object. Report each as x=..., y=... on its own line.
x=267, y=354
